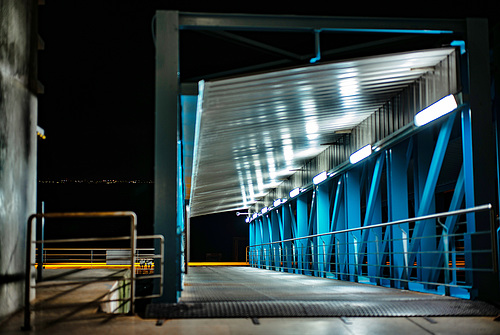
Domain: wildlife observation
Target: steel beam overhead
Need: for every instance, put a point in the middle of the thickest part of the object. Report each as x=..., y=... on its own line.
x=293, y=23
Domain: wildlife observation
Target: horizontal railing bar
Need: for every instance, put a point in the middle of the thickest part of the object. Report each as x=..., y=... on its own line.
x=481, y=208
x=84, y=214
x=94, y=249
x=90, y=239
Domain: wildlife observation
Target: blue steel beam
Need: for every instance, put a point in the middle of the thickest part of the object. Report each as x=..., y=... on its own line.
x=312, y=255
x=371, y=239
x=293, y=223
x=468, y=166
x=338, y=223
x=422, y=165
x=323, y=226
x=287, y=234
x=430, y=184
x=450, y=224
x=353, y=218
x=276, y=236
x=302, y=230
x=397, y=200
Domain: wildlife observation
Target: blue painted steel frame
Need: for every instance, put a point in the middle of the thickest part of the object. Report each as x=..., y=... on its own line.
x=337, y=204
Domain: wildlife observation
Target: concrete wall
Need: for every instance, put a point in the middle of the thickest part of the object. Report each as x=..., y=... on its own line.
x=18, y=117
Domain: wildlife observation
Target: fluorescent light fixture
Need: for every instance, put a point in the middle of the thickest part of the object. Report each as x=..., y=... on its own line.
x=254, y=216
x=277, y=202
x=295, y=192
x=247, y=220
x=436, y=110
x=264, y=210
x=319, y=178
x=361, y=154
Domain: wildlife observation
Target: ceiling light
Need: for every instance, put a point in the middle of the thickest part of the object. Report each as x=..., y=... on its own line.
x=319, y=178
x=277, y=202
x=361, y=154
x=436, y=110
x=295, y=192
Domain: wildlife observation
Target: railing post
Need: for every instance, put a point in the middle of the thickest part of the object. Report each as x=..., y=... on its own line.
x=27, y=282
x=133, y=245
x=40, y=235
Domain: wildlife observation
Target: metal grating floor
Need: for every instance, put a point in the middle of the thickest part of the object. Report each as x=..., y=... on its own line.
x=224, y=292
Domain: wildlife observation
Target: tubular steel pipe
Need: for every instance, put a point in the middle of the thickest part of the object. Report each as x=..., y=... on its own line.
x=493, y=232
x=481, y=208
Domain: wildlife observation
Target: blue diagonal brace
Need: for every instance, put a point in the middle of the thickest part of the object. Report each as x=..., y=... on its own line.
x=430, y=184
x=450, y=223
x=371, y=203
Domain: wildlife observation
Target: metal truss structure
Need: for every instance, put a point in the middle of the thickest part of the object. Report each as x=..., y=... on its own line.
x=334, y=229
x=409, y=177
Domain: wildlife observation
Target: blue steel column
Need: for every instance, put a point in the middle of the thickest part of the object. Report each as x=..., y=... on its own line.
x=372, y=238
x=302, y=230
x=339, y=223
x=397, y=201
x=353, y=218
x=266, y=238
x=251, y=241
x=483, y=153
x=423, y=163
x=166, y=126
x=429, y=188
x=287, y=234
x=274, y=232
x=323, y=226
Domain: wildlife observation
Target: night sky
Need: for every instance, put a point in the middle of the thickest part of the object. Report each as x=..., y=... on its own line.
x=98, y=72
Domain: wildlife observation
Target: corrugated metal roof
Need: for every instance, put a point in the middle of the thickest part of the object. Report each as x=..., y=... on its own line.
x=254, y=131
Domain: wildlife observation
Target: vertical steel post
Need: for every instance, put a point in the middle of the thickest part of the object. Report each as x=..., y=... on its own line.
x=323, y=226
x=287, y=234
x=483, y=139
x=27, y=280
x=41, y=236
x=423, y=159
x=353, y=214
x=302, y=230
x=167, y=94
x=397, y=201
x=373, y=215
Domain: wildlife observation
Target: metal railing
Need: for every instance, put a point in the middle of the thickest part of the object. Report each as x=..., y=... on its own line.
x=133, y=257
x=382, y=253
x=92, y=257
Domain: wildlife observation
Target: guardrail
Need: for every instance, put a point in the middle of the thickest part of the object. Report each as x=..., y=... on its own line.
x=131, y=259
x=92, y=258
x=367, y=255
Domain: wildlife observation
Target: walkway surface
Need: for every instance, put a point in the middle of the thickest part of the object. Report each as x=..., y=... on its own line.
x=79, y=314
x=251, y=292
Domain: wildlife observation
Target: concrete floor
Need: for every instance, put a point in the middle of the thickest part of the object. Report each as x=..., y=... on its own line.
x=60, y=315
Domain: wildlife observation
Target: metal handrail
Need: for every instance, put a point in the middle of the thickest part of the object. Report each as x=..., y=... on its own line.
x=269, y=250
x=133, y=241
x=481, y=208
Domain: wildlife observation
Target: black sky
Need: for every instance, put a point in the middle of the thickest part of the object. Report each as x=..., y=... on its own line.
x=98, y=72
